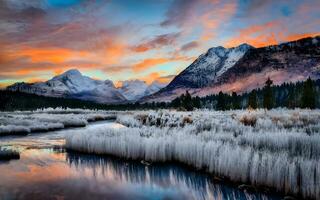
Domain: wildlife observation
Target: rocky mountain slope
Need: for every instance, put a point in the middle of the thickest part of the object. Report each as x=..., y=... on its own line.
x=208, y=67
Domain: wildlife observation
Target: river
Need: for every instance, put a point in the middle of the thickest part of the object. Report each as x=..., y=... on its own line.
x=46, y=171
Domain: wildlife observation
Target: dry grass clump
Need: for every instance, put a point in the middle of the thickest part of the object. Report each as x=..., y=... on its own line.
x=187, y=120
x=248, y=120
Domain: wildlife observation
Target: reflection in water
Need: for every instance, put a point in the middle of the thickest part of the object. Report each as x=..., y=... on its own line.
x=196, y=185
x=52, y=174
x=47, y=172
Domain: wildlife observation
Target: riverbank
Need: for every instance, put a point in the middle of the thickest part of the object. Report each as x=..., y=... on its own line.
x=22, y=123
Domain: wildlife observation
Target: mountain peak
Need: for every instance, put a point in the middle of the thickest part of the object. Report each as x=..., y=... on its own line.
x=72, y=72
x=219, y=51
x=244, y=47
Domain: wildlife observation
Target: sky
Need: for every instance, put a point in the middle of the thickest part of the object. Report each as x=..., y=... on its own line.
x=138, y=39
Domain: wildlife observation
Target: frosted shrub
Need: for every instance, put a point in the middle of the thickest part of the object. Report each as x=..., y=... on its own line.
x=267, y=148
x=23, y=122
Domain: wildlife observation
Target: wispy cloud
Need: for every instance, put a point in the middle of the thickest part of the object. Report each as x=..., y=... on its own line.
x=190, y=45
x=157, y=42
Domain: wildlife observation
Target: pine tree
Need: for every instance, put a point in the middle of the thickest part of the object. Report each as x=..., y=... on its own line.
x=221, y=101
x=176, y=103
x=268, y=99
x=187, y=101
x=308, y=99
x=291, y=98
x=235, y=101
x=252, y=101
x=196, y=102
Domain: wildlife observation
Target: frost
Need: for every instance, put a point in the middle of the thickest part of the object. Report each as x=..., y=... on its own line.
x=278, y=148
x=24, y=122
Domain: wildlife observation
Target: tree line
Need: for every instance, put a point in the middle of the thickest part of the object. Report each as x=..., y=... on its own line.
x=291, y=95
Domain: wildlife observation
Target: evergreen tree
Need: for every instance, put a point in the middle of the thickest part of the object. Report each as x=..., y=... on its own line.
x=187, y=102
x=268, y=99
x=252, y=101
x=235, y=101
x=176, y=103
x=221, y=101
x=196, y=102
x=308, y=99
x=291, y=99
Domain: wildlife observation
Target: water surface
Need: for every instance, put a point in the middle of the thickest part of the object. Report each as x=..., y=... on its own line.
x=46, y=171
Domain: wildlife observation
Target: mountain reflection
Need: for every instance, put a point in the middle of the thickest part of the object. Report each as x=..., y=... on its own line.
x=196, y=185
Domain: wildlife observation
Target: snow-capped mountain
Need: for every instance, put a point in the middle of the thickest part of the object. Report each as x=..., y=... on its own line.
x=208, y=67
x=154, y=87
x=244, y=68
x=133, y=89
x=72, y=84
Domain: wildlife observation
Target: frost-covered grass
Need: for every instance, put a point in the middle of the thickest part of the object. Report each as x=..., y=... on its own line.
x=278, y=148
x=24, y=122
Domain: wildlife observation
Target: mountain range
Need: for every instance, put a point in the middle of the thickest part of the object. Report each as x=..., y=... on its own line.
x=244, y=68
x=237, y=69
x=72, y=84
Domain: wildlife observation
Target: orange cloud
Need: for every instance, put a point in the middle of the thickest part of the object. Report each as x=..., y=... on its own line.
x=267, y=34
x=149, y=63
x=213, y=19
x=35, y=80
x=256, y=35
x=141, y=48
x=165, y=79
x=157, y=76
x=114, y=52
x=151, y=77
x=298, y=36
x=57, y=71
x=152, y=62
x=23, y=72
x=53, y=55
x=157, y=42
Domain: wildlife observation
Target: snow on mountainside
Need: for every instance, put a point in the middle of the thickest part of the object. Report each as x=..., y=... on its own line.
x=154, y=87
x=72, y=84
x=209, y=66
x=244, y=68
x=133, y=89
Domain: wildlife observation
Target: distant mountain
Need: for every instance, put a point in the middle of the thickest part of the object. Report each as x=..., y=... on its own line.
x=72, y=84
x=244, y=68
x=154, y=87
x=133, y=90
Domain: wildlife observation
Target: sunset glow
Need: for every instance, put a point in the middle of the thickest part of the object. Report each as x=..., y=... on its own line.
x=146, y=40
